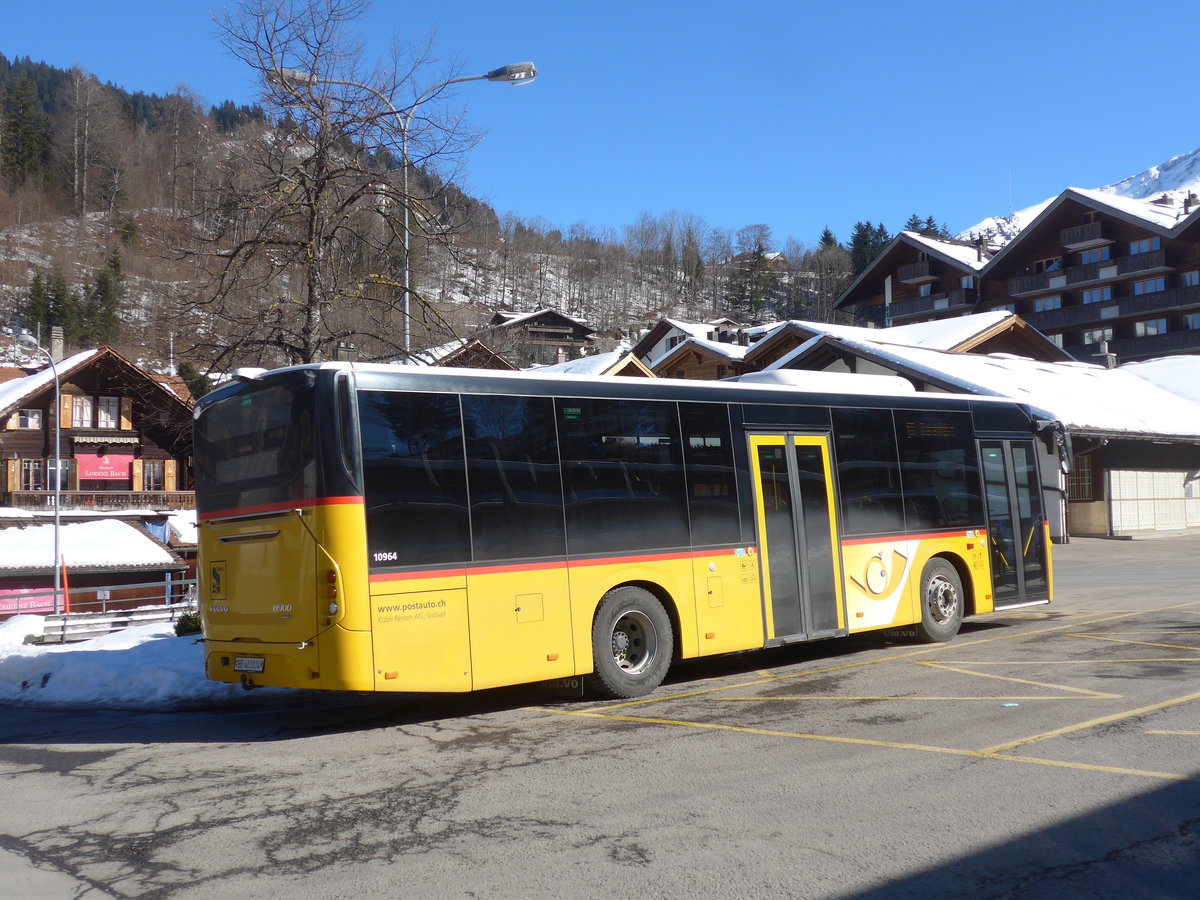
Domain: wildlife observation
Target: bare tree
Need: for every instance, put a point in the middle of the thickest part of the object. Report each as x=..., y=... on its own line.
x=302, y=238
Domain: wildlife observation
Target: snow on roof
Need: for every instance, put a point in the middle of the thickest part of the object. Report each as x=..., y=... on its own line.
x=13, y=392
x=1178, y=374
x=1164, y=217
x=941, y=334
x=965, y=254
x=730, y=351
x=595, y=364
x=183, y=525
x=107, y=543
x=1083, y=396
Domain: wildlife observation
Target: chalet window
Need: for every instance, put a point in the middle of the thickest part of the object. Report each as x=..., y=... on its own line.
x=1149, y=286
x=1145, y=245
x=1041, y=304
x=152, y=475
x=1053, y=264
x=721, y=370
x=1149, y=327
x=1057, y=339
x=680, y=373
x=108, y=412
x=925, y=290
x=1192, y=321
x=1096, y=335
x=31, y=475
x=1191, y=279
x=1097, y=254
x=81, y=411
x=1089, y=217
x=967, y=282
x=1096, y=295
x=1079, y=483
x=29, y=418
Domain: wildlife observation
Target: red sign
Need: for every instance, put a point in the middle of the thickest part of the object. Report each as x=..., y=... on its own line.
x=109, y=467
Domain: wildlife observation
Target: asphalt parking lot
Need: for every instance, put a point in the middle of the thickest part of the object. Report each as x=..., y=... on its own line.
x=1044, y=752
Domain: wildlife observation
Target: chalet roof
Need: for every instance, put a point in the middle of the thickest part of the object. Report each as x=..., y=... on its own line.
x=966, y=256
x=712, y=349
x=504, y=318
x=459, y=351
x=20, y=390
x=664, y=327
x=1164, y=220
x=615, y=362
x=1086, y=398
x=103, y=544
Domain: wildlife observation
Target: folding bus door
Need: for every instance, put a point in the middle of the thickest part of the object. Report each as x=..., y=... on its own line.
x=797, y=537
x=1016, y=522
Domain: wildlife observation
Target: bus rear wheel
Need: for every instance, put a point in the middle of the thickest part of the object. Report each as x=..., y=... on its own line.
x=941, y=602
x=632, y=644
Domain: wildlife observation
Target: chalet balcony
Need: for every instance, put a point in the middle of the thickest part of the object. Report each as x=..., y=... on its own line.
x=1149, y=263
x=1024, y=285
x=958, y=300
x=1083, y=237
x=100, y=501
x=1153, y=345
x=1051, y=321
x=1162, y=301
x=917, y=273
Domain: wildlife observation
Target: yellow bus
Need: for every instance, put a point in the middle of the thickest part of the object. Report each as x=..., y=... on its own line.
x=391, y=528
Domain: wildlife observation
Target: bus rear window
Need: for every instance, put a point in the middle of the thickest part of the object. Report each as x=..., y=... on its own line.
x=256, y=448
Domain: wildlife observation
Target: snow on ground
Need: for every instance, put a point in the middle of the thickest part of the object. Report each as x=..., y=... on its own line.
x=145, y=667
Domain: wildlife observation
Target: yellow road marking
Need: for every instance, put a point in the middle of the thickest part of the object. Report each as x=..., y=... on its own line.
x=1091, y=723
x=1049, y=686
x=1171, y=732
x=1075, y=662
x=764, y=699
x=866, y=742
x=1096, y=637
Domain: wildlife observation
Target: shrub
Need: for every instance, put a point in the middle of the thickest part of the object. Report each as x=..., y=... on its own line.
x=188, y=623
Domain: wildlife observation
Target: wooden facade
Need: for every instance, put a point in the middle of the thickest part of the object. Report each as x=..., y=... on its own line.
x=125, y=438
x=1105, y=278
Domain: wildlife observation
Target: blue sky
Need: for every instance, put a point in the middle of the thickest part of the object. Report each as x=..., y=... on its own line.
x=793, y=114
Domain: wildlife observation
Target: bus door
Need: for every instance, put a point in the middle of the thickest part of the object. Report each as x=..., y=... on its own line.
x=797, y=537
x=1016, y=532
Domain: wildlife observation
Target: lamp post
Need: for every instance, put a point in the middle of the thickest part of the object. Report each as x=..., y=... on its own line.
x=25, y=340
x=517, y=73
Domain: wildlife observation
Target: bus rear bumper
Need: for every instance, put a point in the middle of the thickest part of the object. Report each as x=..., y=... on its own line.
x=316, y=665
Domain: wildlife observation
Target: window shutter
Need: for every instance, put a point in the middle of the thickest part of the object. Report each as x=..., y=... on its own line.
x=135, y=473
x=169, y=475
x=64, y=410
x=12, y=422
x=72, y=475
x=127, y=414
x=13, y=482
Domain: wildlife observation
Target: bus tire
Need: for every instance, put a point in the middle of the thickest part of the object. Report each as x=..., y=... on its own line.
x=632, y=644
x=942, y=602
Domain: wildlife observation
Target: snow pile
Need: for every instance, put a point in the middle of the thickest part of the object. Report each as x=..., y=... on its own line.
x=145, y=667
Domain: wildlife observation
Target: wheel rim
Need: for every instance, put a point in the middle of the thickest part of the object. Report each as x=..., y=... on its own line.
x=942, y=599
x=634, y=642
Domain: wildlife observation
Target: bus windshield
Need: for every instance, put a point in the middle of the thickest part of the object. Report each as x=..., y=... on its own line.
x=256, y=447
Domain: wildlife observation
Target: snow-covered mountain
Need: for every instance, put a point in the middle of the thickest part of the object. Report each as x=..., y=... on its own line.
x=1176, y=177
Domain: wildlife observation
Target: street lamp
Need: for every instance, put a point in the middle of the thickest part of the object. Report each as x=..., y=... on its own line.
x=25, y=340
x=517, y=73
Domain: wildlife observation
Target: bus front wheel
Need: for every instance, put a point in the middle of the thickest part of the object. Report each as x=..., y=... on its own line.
x=941, y=602
x=632, y=644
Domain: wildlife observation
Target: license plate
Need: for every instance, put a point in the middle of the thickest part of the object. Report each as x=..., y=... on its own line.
x=248, y=663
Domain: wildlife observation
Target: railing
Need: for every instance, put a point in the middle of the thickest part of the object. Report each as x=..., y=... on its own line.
x=1174, y=298
x=100, y=598
x=918, y=271
x=947, y=300
x=1155, y=345
x=1029, y=284
x=1141, y=262
x=1081, y=235
x=1067, y=316
x=101, y=500
x=63, y=629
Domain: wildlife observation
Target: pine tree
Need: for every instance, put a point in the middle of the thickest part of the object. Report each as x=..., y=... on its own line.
x=36, y=315
x=198, y=384
x=63, y=306
x=100, y=322
x=24, y=134
x=828, y=240
x=914, y=224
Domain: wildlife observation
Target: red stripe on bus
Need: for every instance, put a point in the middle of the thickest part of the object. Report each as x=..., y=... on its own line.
x=460, y=571
x=280, y=507
x=929, y=535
